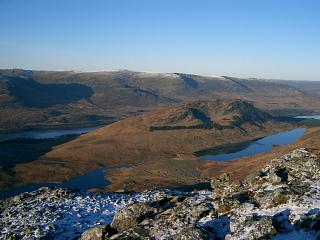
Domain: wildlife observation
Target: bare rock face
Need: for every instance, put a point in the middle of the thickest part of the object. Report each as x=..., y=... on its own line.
x=220, y=185
x=96, y=233
x=300, y=165
x=253, y=227
x=192, y=233
x=264, y=205
x=131, y=216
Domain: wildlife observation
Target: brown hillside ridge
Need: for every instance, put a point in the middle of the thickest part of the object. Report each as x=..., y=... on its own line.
x=68, y=99
x=160, y=145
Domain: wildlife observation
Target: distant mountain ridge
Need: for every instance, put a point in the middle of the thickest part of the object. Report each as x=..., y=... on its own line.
x=51, y=99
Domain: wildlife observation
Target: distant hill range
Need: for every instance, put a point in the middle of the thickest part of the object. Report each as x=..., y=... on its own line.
x=51, y=99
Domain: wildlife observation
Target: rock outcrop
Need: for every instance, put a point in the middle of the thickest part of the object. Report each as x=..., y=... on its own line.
x=281, y=201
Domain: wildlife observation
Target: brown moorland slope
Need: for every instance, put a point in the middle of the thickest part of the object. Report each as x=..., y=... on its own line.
x=52, y=99
x=160, y=144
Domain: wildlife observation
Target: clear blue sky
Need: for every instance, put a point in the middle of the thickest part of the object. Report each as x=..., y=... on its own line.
x=257, y=38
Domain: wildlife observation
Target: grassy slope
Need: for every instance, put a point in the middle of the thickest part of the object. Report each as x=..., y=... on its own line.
x=162, y=158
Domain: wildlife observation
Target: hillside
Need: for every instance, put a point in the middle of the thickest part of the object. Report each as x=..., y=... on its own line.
x=52, y=99
x=159, y=146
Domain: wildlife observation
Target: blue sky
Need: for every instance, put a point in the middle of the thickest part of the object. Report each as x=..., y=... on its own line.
x=245, y=38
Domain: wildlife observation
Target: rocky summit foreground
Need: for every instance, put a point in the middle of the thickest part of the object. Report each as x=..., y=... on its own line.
x=281, y=201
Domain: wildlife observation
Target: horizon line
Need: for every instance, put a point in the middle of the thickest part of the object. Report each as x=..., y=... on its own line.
x=157, y=72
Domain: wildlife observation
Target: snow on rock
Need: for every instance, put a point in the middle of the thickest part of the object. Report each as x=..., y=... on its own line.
x=61, y=213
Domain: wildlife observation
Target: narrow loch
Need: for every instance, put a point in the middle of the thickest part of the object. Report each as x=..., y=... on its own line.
x=253, y=147
x=317, y=117
x=96, y=179
x=45, y=134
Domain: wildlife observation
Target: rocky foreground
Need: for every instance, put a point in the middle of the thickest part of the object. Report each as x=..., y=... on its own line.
x=281, y=201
